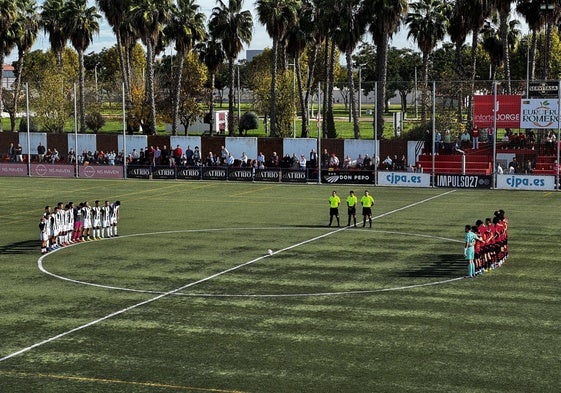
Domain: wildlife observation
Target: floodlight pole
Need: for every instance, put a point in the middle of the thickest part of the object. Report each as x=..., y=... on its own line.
x=558, y=135
x=494, y=134
x=28, y=133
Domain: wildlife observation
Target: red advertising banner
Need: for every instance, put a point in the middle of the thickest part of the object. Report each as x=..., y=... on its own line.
x=101, y=172
x=52, y=170
x=508, y=111
x=13, y=169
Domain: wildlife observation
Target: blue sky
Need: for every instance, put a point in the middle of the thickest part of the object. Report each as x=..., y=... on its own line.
x=261, y=40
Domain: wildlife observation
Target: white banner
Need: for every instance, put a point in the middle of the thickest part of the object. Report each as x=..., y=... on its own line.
x=403, y=179
x=539, y=113
x=525, y=182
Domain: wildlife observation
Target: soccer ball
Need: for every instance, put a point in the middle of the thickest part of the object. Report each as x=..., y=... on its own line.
x=269, y=252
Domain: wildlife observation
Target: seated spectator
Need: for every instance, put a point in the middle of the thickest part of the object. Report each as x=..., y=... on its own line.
x=244, y=159
x=302, y=162
x=261, y=160
x=333, y=161
x=286, y=161
x=367, y=162
x=71, y=156
x=347, y=162
x=229, y=159
x=197, y=156
x=360, y=162
x=210, y=159
x=387, y=163
x=513, y=166
x=55, y=156
x=275, y=160
x=295, y=161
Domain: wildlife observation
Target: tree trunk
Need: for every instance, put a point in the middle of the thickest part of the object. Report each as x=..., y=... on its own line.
x=211, y=102
x=177, y=93
x=17, y=89
x=382, y=66
x=329, y=119
x=460, y=76
x=473, y=73
x=309, y=89
x=532, y=55
x=273, y=98
x=506, y=50
x=151, y=126
x=424, y=92
x=2, y=57
x=231, y=97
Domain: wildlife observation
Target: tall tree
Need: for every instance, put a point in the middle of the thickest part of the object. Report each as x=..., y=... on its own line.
x=458, y=29
x=234, y=28
x=385, y=17
x=186, y=28
x=530, y=10
x=53, y=25
x=278, y=17
x=349, y=33
x=212, y=54
x=476, y=11
x=8, y=16
x=503, y=9
x=148, y=17
x=26, y=28
x=80, y=24
x=427, y=26
x=116, y=12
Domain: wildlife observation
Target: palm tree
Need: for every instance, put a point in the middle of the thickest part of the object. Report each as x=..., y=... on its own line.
x=26, y=27
x=80, y=24
x=212, y=54
x=298, y=39
x=475, y=11
x=349, y=33
x=8, y=15
x=503, y=9
x=278, y=17
x=148, y=18
x=530, y=10
x=385, y=18
x=427, y=25
x=186, y=27
x=233, y=28
x=115, y=12
x=53, y=25
x=458, y=29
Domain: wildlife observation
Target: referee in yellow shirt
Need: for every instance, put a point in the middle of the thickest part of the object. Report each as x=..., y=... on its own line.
x=367, y=202
x=352, y=200
x=334, y=202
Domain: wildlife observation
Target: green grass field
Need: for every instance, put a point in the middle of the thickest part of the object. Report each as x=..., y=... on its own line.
x=184, y=300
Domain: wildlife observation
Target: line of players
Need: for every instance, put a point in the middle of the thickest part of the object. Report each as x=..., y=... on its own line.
x=490, y=243
x=68, y=224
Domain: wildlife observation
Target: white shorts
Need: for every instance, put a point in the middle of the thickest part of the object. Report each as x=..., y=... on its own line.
x=87, y=224
x=43, y=236
x=96, y=223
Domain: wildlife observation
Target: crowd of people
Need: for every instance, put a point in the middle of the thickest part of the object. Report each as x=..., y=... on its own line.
x=486, y=244
x=66, y=224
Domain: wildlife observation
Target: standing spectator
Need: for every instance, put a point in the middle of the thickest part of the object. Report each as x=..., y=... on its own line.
x=111, y=158
x=189, y=155
x=19, y=153
x=12, y=152
x=447, y=142
x=475, y=137
x=261, y=160
x=367, y=201
x=40, y=152
x=437, y=141
x=359, y=162
x=313, y=158
x=177, y=153
x=223, y=154
x=157, y=156
x=428, y=142
x=465, y=140
x=165, y=155
x=324, y=158
x=352, y=200
x=334, y=202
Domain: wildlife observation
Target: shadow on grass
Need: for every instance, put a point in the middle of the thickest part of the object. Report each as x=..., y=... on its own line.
x=24, y=247
x=443, y=265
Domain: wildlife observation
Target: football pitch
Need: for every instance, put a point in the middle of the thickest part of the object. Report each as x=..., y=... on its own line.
x=187, y=299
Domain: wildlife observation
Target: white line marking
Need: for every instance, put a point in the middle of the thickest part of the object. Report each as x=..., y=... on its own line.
x=172, y=292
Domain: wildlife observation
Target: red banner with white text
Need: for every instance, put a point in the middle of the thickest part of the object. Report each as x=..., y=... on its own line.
x=508, y=111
